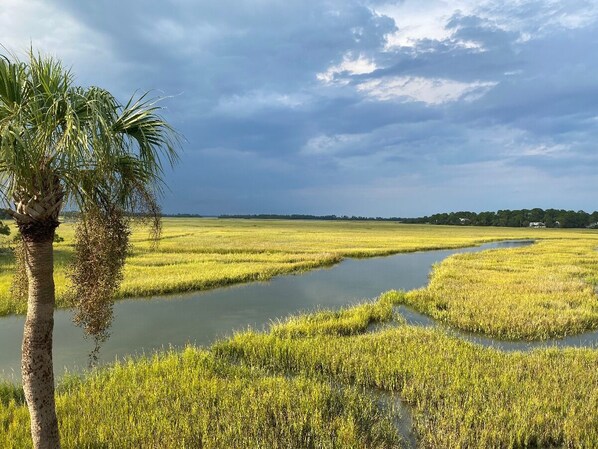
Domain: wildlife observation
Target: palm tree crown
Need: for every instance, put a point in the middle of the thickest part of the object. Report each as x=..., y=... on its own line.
x=61, y=143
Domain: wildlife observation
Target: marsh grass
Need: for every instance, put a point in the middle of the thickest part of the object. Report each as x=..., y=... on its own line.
x=535, y=292
x=346, y=321
x=195, y=400
x=11, y=393
x=199, y=254
x=462, y=395
x=305, y=383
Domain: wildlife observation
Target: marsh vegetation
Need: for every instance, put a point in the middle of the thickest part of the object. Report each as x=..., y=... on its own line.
x=535, y=292
x=308, y=381
x=199, y=254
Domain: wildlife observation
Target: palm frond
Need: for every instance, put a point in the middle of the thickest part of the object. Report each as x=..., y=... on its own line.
x=50, y=127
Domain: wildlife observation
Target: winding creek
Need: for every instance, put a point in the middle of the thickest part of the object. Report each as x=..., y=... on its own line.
x=144, y=326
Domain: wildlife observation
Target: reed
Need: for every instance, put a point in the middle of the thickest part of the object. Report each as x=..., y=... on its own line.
x=346, y=321
x=462, y=395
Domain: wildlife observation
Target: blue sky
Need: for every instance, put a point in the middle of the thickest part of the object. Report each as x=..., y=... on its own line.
x=355, y=107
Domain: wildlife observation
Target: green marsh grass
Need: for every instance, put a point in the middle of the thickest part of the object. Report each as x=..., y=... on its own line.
x=346, y=321
x=535, y=292
x=462, y=395
x=194, y=400
x=11, y=393
x=307, y=386
x=199, y=254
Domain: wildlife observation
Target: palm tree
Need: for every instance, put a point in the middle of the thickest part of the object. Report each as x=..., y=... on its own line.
x=61, y=144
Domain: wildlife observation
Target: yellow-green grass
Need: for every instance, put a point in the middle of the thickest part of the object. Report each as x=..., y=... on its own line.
x=198, y=254
x=346, y=321
x=195, y=400
x=311, y=388
x=462, y=395
x=534, y=292
x=304, y=383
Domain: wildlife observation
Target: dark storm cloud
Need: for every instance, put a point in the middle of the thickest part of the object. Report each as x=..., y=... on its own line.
x=230, y=46
x=309, y=107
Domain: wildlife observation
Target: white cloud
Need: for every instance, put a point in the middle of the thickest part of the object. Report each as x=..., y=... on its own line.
x=432, y=91
x=418, y=20
x=547, y=15
x=38, y=23
x=546, y=150
x=351, y=66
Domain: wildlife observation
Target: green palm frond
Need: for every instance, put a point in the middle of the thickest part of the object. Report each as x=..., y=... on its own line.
x=96, y=146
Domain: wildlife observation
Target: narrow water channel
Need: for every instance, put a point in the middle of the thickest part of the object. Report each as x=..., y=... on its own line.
x=413, y=318
x=144, y=326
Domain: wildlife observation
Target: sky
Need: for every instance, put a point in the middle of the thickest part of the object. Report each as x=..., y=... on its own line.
x=347, y=107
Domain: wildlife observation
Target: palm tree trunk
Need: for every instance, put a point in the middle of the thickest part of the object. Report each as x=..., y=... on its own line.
x=36, y=365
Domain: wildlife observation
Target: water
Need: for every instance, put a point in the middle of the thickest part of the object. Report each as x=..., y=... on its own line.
x=144, y=326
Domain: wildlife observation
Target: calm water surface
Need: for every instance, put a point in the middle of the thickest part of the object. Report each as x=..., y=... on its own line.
x=144, y=326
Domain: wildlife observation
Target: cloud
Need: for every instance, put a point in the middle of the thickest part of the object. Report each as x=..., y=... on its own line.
x=431, y=91
x=348, y=106
x=257, y=101
x=350, y=66
x=418, y=21
x=331, y=145
x=431, y=20
x=46, y=28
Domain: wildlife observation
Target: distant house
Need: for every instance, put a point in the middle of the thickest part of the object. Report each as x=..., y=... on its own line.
x=537, y=224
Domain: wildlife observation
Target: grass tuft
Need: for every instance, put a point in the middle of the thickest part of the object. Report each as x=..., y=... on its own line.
x=346, y=321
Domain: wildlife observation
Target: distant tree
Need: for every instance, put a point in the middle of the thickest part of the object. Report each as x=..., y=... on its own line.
x=485, y=219
x=536, y=215
x=502, y=218
x=583, y=219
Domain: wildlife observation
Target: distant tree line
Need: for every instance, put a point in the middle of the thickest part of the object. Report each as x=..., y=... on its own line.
x=550, y=218
x=309, y=217
x=186, y=215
